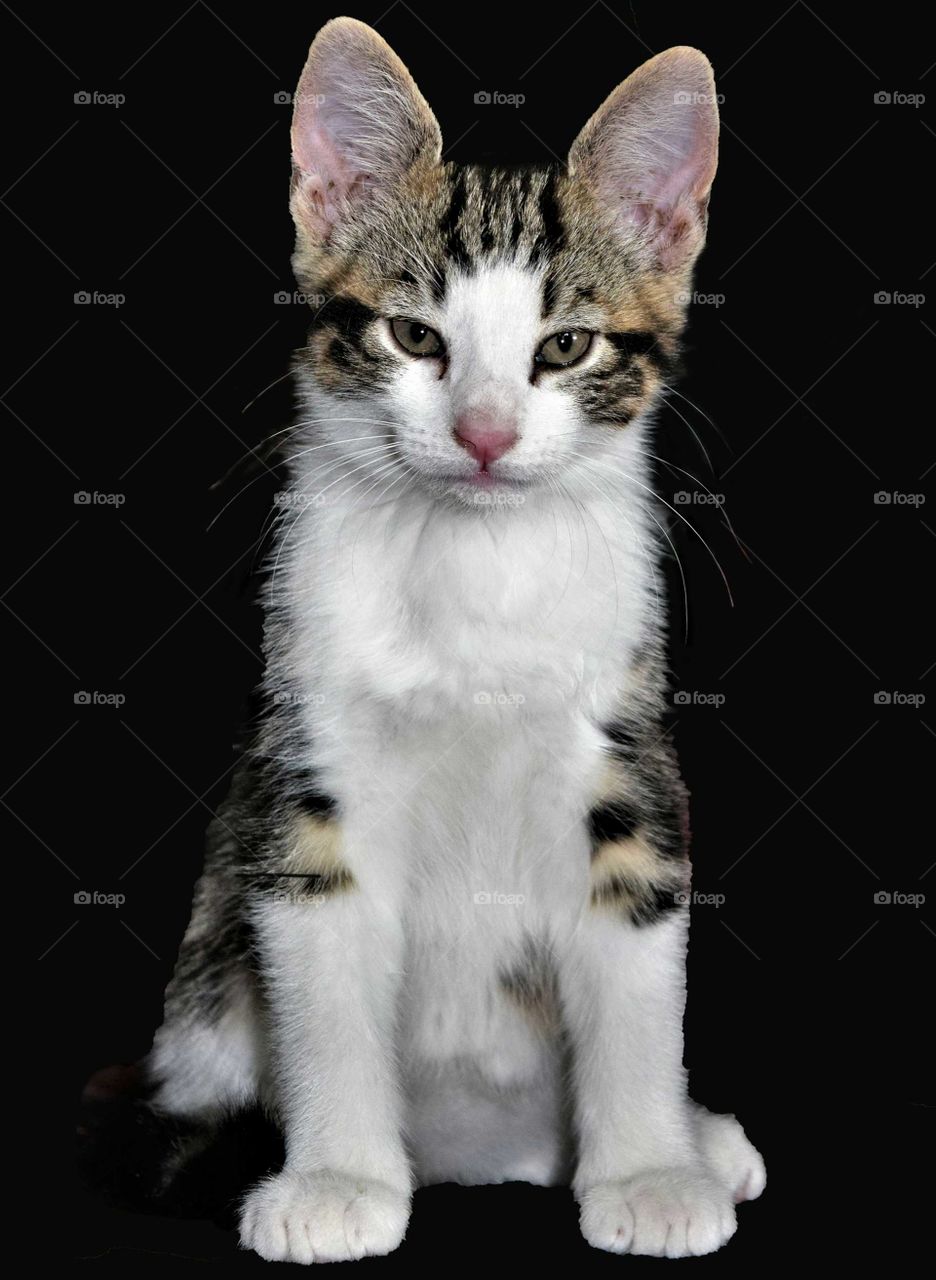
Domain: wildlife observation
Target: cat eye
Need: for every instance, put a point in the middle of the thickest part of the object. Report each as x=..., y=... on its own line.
x=418, y=339
x=564, y=348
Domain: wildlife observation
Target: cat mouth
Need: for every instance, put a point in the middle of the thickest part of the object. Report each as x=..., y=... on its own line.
x=485, y=484
x=488, y=488
x=487, y=478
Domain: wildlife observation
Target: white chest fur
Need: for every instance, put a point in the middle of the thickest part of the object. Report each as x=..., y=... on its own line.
x=431, y=612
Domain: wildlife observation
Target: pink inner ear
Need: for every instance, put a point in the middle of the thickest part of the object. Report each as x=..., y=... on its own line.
x=358, y=122
x=681, y=182
x=651, y=152
x=669, y=207
x=659, y=182
x=677, y=166
x=315, y=153
x=326, y=175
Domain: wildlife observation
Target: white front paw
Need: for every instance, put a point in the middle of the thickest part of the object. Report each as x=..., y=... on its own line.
x=671, y=1213
x=322, y=1217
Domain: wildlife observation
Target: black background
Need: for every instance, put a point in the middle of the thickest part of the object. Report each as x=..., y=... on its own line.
x=810, y=795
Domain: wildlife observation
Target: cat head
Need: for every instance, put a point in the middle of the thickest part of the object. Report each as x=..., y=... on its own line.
x=484, y=329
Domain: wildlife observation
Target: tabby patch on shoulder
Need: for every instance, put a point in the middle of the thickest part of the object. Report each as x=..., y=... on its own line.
x=440, y=934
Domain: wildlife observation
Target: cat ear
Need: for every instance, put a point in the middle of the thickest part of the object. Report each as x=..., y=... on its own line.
x=359, y=122
x=650, y=151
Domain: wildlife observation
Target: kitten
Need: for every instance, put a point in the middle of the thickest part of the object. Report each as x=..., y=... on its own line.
x=441, y=930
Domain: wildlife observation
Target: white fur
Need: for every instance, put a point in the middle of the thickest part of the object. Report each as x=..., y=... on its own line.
x=455, y=662
x=205, y=1069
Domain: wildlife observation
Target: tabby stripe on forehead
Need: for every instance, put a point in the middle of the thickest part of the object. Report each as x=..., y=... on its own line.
x=488, y=221
x=521, y=190
x=550, y=295
x=552, y=237
x=455, y=249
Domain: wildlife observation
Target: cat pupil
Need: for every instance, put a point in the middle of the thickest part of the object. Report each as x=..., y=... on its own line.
x=418, y=333
x=564, y=342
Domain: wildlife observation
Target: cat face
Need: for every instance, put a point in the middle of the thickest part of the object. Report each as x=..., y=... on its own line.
x=491, y=330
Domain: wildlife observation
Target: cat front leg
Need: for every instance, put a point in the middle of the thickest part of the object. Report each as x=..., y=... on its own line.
x=642, y=1182
x=330, y=949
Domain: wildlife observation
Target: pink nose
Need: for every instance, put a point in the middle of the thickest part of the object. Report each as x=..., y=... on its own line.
x=485, y=437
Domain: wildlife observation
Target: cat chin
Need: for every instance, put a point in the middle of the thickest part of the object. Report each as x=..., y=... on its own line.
x=485, y=494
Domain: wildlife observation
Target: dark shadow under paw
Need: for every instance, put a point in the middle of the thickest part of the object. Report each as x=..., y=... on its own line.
x=139, y=1159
